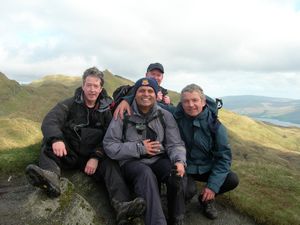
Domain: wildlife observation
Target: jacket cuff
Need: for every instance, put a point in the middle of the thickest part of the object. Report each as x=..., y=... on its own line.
x=141, y=148
x=180, y=161
x=213, y=187
x=98, y=154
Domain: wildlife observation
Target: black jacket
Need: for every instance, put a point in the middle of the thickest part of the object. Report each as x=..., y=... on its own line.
x=80, y=128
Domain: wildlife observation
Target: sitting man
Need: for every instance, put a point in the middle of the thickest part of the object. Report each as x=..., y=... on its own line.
x=73, y=132
x=150, y=150
x=208, y=151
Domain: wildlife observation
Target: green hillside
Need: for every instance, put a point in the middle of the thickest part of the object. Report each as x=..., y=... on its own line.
x=265, y=157
x=267, y=160
x=265, y=107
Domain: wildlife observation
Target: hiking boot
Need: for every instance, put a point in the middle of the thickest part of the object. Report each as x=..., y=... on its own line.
x=44, y=179
x=176, y=222
x=209, y=209
x=179, y=222
x=128, y=210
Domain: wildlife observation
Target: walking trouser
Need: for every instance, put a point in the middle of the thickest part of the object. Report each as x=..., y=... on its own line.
x=230, y=183
x=145, y=179
x=107, y=170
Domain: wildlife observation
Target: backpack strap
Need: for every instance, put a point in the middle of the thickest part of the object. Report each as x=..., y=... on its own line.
x=161, y=119
x=124, y=128
x=160, y=116
x=214, y=124
x=219, y=103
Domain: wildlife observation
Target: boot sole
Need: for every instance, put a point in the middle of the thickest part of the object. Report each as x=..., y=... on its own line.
x=36, y=178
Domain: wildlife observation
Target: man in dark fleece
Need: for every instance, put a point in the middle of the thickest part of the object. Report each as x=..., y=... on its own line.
x=73, y=132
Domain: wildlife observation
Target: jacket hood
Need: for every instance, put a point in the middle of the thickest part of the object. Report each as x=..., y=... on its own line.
x=103, y=101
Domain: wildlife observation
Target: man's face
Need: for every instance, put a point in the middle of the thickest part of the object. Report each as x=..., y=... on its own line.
x=155, y=74
x=192, y=103
x=91, y=88
x=145, y=97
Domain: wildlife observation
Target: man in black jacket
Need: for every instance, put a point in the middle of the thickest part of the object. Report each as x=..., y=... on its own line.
x=156, y=71
x=73, y=132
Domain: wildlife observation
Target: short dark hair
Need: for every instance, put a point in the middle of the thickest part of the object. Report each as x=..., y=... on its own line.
x=93, y=71
x=191, y=88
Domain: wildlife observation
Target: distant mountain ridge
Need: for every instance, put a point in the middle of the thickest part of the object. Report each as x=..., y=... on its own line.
x=283, y=109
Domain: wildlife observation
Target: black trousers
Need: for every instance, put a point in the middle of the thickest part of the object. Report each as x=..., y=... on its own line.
x=145, y=180
x=107, y=170
x=230, y=183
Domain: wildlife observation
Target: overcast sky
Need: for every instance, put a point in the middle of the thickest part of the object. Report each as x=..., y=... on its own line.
x=231, y=47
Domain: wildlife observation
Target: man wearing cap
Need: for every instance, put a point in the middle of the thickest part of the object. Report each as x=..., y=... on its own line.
x=73, y=132
x=147, y=149
x=156, y=71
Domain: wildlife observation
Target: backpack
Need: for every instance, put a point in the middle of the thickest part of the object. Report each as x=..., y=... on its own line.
x=142, y=126
x=213, y=106
x=119, y=93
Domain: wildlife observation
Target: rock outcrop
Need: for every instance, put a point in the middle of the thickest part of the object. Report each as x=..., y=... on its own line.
x=82, y=202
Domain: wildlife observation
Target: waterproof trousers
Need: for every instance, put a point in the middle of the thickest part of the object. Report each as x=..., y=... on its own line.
x=230, y=183
x=145, y=180
x=108, y=170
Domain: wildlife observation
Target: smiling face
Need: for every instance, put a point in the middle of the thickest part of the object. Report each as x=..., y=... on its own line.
x=91, y=88
x=192, y=103
x=145, y=98
x=156, y=74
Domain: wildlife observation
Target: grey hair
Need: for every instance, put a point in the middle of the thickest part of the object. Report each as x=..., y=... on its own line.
x=191, y=88
x=93, y=71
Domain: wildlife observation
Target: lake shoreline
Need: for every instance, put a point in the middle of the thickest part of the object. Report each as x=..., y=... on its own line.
x=277, y=122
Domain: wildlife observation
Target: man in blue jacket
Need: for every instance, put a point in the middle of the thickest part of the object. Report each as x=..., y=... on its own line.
x=208, y=151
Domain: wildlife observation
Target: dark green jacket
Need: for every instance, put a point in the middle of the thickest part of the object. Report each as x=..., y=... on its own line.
x=206, y=144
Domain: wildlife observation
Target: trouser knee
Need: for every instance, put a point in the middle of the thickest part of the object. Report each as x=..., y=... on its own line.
x=49, y=161
x=190, y=188
x=230, y=183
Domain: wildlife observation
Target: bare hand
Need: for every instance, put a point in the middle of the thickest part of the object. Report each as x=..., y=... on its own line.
x=167, y=100
x=180, y=169
x=59, y=148
x=159, y=96
x=207, y=194
x=91, y=166
x=121, y=108
x=152, y=147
